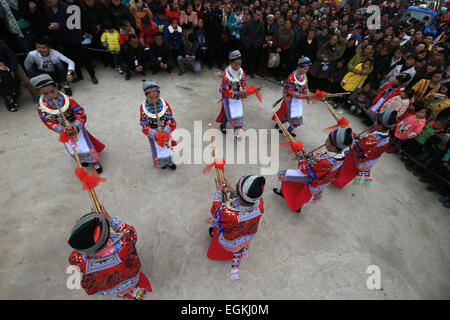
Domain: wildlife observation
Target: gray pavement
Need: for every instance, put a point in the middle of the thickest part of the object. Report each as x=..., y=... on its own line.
x=322, y=253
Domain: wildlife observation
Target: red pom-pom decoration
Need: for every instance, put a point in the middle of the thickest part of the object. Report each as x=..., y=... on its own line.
x=89, y=181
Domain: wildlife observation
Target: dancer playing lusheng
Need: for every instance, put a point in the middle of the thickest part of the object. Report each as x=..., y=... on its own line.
x=236, y=220
x=314, y=175
x=51, y=104
x=157, y=123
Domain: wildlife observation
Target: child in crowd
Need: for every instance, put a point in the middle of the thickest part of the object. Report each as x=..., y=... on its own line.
x=399, y=103
x=409, y=127
x=416, y=145
x=162, y=24
x=125, y=31
x=9, y=88
x=174, y=37
x=440, y=100
x=361, y=103
x=337, y=73
x=353, y=81
x=111, y=41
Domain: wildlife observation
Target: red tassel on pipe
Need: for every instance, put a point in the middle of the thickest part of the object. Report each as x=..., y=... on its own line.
x=318, y=95
x=219, y=164
x=343, y=122
x=292, y=145
x=160, y=137
x=89, y=181
x=252, y=90
x=64, y=137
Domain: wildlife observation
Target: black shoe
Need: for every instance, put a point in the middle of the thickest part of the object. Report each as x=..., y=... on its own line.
x=84, y=164
x=210, y=230
x=275, y=190
x=13, y=107
x=299, y=210
x=224, y=130
x=68, y=90
x=163, y=167
x=172, y=166
x=94, y=80
x=277, y=126
x=128, y=76
x=99, y=169
x=292, y=134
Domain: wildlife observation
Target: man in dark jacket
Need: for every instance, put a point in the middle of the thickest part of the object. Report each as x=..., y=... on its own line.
x=252, y=38
x=160, y=54
x=118, y=13
x=214, y=30
x=132, y=57
x=69, y=39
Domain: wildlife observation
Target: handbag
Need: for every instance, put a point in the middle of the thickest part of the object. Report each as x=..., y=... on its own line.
x=274, y=60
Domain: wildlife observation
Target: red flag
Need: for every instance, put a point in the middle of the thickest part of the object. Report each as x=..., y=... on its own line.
x=252, y=90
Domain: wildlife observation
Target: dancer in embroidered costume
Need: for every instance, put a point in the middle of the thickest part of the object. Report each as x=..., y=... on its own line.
x=236, y=221
x=87, y=147
x=294, y=91
x=108, y=262
x=313, y=176
x=364, y=153
x=233, y=90
x=157, y=123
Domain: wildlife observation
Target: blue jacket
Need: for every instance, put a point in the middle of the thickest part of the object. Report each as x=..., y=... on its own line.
x=174, y=38
x=162, y=24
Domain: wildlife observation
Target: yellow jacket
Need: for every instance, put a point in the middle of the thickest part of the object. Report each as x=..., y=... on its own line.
x=352, y=80
x=438, y=107
x=112, y=39
x=420, y=88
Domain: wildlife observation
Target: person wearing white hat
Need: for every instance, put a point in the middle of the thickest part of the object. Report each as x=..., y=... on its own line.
x=233, y=90
x=312, y=177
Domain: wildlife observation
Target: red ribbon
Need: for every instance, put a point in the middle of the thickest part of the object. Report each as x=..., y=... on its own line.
x=89, y=181
x=219, y=164
x=318, y=95
x=343, y=123
x=292, y=145
x=252, y=90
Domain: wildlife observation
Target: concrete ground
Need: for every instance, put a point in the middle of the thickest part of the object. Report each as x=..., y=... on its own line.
x=322, y=253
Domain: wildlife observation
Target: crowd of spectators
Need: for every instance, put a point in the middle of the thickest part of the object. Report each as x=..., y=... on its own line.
x=402, y=65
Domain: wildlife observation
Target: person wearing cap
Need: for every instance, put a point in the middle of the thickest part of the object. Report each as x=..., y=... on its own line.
x=296, y=84
x=87, y=147
x=313, y=176
x=233, y=91
x=154, y=124
x=108, y=262
x=236, y=220
x=365, y=151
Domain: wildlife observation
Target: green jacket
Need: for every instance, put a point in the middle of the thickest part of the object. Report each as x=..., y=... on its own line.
x=427, y=132
x=357, y=59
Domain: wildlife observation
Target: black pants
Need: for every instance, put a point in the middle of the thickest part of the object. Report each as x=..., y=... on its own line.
x=156, y=67
x=59, y=75
x=250, y=59
x=80, y=57
x=214, y=53
x=128, y=68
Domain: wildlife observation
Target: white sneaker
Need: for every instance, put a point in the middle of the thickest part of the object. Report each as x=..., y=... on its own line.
x=237, y=135
x=119, y=70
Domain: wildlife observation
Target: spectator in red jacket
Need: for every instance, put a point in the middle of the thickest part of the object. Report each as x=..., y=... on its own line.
x=147, y=32
x=173, y=11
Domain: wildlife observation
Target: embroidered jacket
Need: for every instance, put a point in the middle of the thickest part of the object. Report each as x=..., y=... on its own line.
x=370, y=148
x=148, y=118
x=232, y=81
x=295, y=85
x=322, y=172
x=50, y=116
x=114, y=272
x=237, y=224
